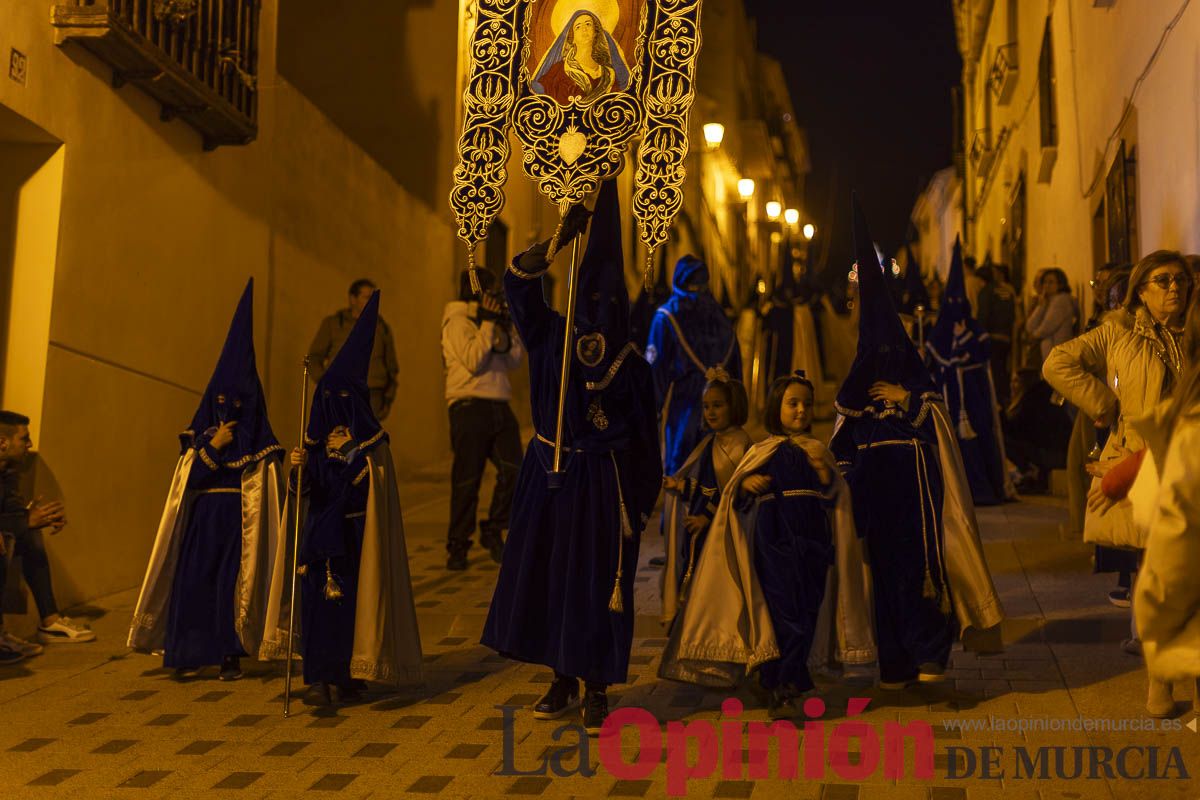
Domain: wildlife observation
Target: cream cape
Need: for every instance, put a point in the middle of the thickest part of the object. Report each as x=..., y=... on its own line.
x=674, y=511
x=1166, y=510
x=716, y=641
x=387, y=642
x=976, y=603
x=262, y=487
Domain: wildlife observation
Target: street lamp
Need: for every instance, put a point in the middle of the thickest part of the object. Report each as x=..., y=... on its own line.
x=791, y=216
x=810, y=231
x=714, y=134
x=745, y=188
x=774, y=209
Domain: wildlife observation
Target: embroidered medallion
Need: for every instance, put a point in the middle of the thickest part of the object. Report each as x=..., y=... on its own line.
x=590, y=349
x=596, y=415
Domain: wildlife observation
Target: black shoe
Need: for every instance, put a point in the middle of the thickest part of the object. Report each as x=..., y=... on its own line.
x=658, y=561
x=318, y=695
x=496, y=551
x=347, y=694
x=595, y=711
x=231, y=669
x=457, y=562
x=782, y=705
x=561, y=697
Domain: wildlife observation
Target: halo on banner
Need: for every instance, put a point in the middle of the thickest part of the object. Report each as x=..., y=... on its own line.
x=607, y=11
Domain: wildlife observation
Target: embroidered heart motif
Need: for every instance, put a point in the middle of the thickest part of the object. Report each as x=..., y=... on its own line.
x=571, y=146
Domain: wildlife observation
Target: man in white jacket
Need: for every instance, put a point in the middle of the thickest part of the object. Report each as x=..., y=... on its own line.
x=479, y=349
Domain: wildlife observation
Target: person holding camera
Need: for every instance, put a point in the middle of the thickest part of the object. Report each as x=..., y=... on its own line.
x=479, y=349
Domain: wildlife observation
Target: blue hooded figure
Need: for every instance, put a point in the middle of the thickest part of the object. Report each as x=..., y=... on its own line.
x=203, y=600
x=357, y=617
x=691, y=341
x=960, y=351
x=894, y=443
x=564, y=597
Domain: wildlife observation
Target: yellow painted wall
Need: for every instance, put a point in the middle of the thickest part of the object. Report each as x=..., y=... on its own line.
x=156, y=239
x=1099, y=55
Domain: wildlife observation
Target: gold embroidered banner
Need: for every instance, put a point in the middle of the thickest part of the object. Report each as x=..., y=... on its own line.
x=577, y=81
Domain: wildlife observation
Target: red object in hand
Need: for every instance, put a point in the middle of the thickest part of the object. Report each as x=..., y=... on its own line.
x=1119, y=480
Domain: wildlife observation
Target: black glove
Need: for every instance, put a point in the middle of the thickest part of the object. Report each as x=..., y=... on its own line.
x=533, y=260
x=574, y=223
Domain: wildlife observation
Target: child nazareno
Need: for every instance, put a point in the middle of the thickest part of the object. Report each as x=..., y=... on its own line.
x=357, y=618
x=204, y=596
x=564, y=597
x=758, y=598
x=912, y=502
x=694, y=492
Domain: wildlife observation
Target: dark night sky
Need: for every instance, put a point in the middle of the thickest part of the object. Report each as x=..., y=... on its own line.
x=871, y=83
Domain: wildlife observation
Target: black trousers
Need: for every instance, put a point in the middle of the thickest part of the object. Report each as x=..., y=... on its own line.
x=35, y=566
x=481, y=431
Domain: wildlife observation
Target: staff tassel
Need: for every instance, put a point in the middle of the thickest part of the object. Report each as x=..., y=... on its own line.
x=287, y=680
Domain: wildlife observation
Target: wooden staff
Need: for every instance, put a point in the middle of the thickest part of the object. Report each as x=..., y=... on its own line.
x=564, y=377
x=287, y=680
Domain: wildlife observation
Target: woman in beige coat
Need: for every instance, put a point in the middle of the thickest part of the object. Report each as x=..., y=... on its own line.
x=1166, y=504
x=1122, y=369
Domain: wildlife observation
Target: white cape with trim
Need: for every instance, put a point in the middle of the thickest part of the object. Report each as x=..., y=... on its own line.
x=976, y=604
x=675, y=509
x=262, y=490
x=720, y=638
x=387, y=642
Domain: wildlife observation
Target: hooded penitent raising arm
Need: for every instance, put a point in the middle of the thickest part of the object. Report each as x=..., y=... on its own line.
x=523, y=285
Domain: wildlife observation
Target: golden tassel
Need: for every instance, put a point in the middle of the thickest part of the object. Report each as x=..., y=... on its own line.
x=473, y=270
x=616, y=603
x=929, y=591
x=332, y=590
x=945, y=606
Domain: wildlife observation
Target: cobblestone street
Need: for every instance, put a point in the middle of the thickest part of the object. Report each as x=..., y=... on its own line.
x=96, y=720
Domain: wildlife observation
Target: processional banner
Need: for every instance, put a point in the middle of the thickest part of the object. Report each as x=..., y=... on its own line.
x=577, y=81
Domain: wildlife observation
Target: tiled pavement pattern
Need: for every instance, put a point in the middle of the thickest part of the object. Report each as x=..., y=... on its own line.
x=97, y=721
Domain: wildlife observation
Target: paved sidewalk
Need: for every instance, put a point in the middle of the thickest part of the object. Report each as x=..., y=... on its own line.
x=97, y=721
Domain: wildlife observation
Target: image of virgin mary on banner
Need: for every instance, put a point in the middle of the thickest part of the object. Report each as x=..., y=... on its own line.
x=585, y=61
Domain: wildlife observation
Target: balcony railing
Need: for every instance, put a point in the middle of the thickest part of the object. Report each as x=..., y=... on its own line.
x=197, y=58
x=1003, y=75
x=981, y=153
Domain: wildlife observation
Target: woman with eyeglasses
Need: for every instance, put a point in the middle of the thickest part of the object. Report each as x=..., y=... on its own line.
x=1119, y=372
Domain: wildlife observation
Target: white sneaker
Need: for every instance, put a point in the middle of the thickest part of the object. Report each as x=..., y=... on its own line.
x=20, y=645
x=65, y=629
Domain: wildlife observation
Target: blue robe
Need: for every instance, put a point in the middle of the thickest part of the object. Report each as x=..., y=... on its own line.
x=551, y=602
x=892, y=465
x=680, y=353
x=201, y=629
x=333, y=534
x=961, y=366
x=793, y=550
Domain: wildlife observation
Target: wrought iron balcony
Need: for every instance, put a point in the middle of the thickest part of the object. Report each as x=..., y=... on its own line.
x=1003, y=75
x=197, y=58
x=981, y=153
